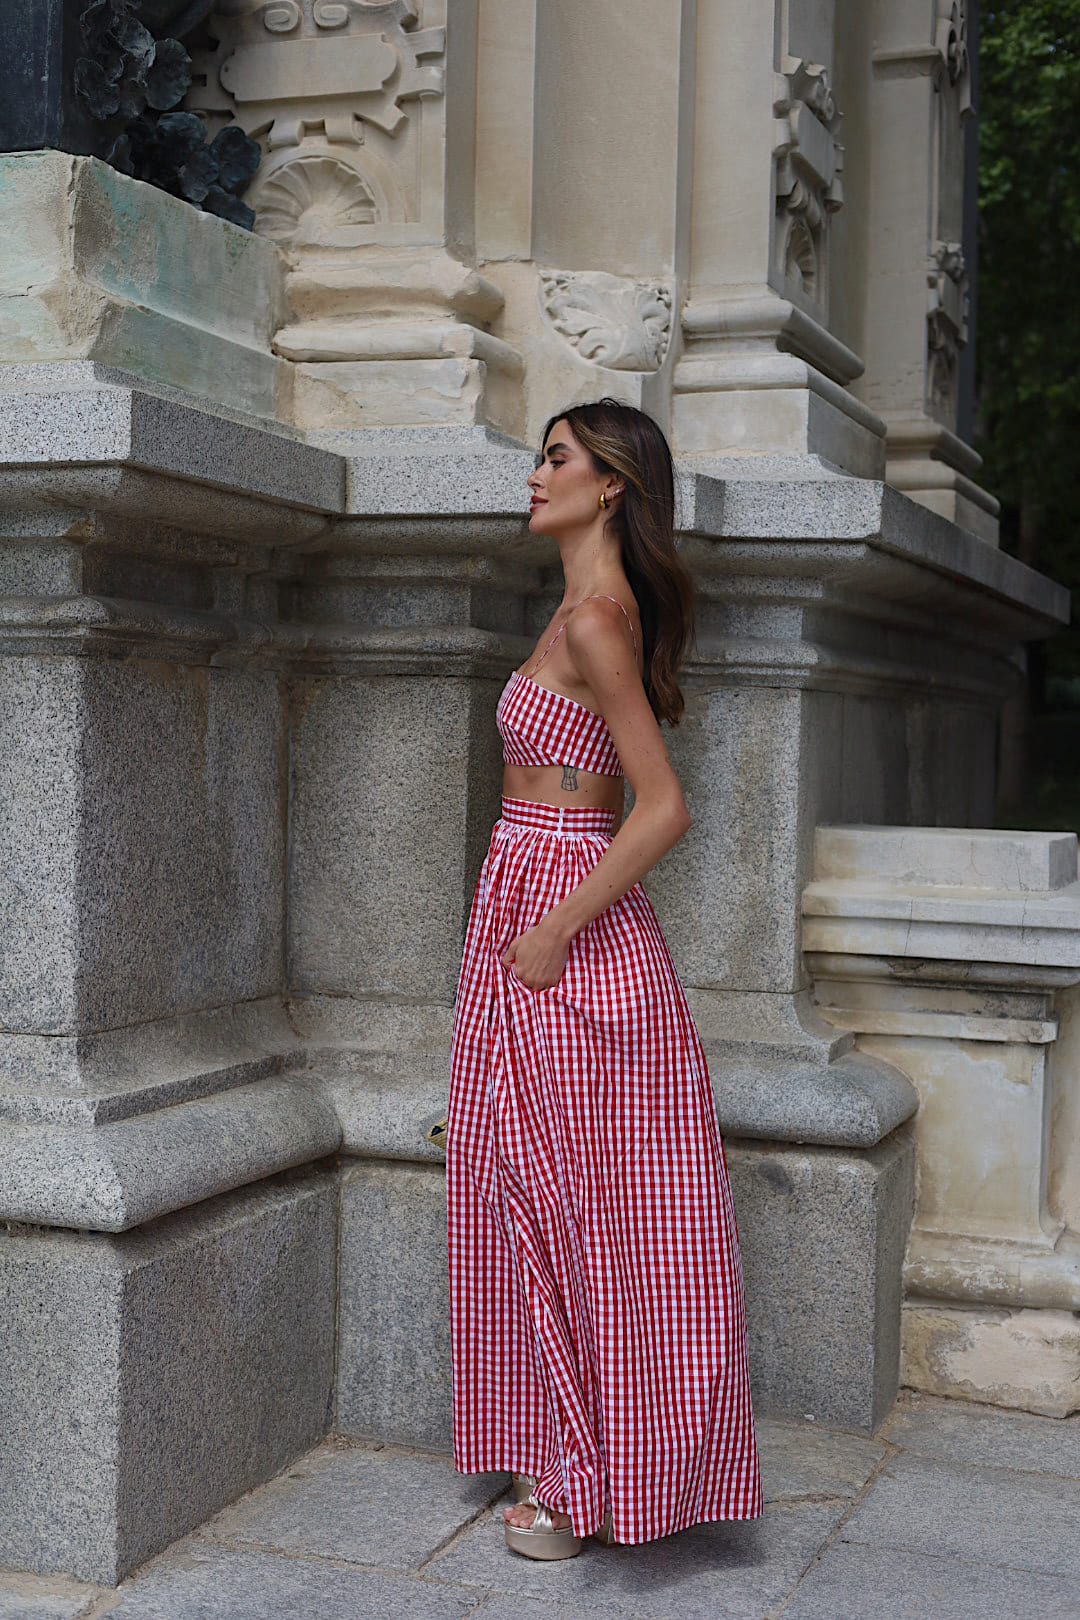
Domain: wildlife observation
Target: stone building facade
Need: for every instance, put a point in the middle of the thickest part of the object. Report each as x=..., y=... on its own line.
x=263, y=570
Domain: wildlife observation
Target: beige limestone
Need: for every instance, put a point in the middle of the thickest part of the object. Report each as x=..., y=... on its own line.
x=1028, y=1359
x=953, y=954
x=918, y=277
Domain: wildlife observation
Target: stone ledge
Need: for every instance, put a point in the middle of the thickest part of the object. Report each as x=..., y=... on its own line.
x=78, y=413
x=854, y=1102
x=110, y=1178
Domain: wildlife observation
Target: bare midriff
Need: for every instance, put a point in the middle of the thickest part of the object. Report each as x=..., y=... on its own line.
x=563, y=786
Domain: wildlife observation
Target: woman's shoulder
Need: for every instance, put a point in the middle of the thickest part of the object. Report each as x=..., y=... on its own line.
x=602, y=626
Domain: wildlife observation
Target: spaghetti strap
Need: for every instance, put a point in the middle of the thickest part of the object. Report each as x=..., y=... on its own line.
x=600, y=596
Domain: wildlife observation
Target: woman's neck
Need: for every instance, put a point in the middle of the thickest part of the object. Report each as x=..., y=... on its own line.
x=591, y=563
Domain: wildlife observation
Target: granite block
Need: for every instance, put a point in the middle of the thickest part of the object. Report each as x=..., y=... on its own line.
x=358, y=1505
x=381, y=869
x=875, y=1583
x=41, y=726
x=728, y=893
x=122, y=420
x=181, y=851
x=726, y=1571
x=205, y=1582
x=141, y=818
x=991, y=1516
x=393, y=1378
x=823, y=1235
x=155, y=1376
x=763, y=1092
x=109, y=1178
x=984, y=1436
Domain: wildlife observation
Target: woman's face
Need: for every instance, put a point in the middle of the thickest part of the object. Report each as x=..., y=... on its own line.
x=565, y=487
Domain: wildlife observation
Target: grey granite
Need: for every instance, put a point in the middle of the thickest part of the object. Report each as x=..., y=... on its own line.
x=428, y=479
x=115, y=1073
x=393, y=1378
x=109, y=1178
x=984, y=1436
x=181, y=853
x=386, y=1101
x=799, y=1461
x=874, y=1583
x=360, y=1505
x=727, y=1571
x=204, y=1582
x=118, y=419
x=823, y=1235
x=855, y=1102
x=382, y=869
x=989, y=1516
x=41, y=723
x=153, y=1377
x=142, y=830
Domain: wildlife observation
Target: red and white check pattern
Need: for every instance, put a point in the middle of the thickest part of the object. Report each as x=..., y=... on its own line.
x=598, y=1323
x=541, y=727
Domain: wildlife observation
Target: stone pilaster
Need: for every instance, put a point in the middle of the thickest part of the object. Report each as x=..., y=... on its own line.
x=771, y=330
x=918, y=282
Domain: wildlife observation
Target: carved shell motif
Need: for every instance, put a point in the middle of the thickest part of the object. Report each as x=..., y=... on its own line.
x=307, y=201
x=625, y=325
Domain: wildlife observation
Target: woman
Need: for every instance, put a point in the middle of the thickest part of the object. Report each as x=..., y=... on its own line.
x=598, y=1326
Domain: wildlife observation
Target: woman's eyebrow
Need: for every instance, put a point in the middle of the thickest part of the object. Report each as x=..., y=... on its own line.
x=550, y=449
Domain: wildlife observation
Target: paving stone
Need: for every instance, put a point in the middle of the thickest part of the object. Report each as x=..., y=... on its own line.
x=994, y=1516
x=207, y=1582
x=361, y=1505
x=732, y=1570
x=862, y=1583
x=797, y=1461
x=35, y=1597
x=986, y=1436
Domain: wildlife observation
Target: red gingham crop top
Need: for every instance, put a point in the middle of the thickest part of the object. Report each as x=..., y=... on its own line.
x=542, y=727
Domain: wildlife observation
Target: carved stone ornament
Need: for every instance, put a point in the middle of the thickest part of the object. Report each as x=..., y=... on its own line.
x=809, y=164
x=946, y=327
x=625, y=325
x=951, y=42
x=333, y=77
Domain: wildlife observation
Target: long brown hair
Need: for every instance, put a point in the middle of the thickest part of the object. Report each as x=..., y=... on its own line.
x=626, y=442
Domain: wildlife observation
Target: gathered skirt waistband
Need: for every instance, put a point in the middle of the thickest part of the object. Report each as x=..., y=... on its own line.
x=569, y=821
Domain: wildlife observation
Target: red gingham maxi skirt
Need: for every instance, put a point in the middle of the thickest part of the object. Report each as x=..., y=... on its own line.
x=599, y=1337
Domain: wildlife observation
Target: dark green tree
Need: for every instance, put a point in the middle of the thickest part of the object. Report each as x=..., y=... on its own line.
x=1028, y=348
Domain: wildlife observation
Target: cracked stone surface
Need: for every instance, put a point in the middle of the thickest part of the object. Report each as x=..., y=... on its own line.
x=952, y=1511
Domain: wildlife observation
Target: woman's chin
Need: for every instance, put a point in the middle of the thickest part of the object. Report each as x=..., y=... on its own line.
x=538, y=525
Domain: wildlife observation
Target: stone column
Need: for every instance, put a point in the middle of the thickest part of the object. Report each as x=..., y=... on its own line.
x=918, y=284
x=583, y=223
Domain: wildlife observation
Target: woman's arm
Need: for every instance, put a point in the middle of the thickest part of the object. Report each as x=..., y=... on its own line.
x=599, y=648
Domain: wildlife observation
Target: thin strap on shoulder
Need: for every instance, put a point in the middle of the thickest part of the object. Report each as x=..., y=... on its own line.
x=549, y=646
x=601, y=597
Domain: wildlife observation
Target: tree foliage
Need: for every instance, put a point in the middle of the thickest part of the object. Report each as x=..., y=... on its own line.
x=1028, y=315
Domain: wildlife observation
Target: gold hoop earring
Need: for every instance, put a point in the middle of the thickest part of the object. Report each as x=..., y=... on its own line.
x=603, y=501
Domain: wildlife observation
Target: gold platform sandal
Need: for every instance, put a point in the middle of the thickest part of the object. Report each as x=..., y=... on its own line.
x=522, y=1487
x=541, y=1539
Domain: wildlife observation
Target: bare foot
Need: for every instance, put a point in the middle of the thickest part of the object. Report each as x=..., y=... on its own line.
x=521, y=1516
